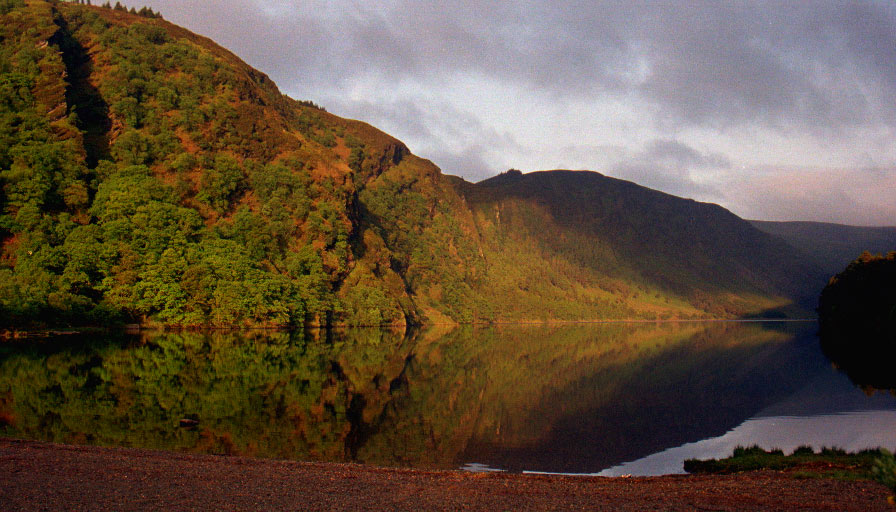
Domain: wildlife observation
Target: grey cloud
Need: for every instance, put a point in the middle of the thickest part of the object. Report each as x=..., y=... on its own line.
x=778, y=63
x=532, y=44
x=802, y=71
x=772, y=62
x=294, y=52
x=850, y=196
x=809, y=64
x=597, y=157
x=668, y=165
x=471, y=163
x=395, y=117
x=672, y=153
x=454, y=139
x=835, y=206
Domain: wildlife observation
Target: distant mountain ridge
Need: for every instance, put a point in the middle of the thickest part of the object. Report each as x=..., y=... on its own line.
x=148, y=175
x=832, y=246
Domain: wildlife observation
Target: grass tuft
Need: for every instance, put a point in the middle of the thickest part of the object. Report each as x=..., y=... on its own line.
x=804, y=462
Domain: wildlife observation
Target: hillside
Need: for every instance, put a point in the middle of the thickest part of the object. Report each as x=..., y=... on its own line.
x=637, y=242
x=149, y=175
x=832, y=246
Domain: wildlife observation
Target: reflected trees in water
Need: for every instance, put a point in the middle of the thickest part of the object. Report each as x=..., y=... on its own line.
x=555, y=398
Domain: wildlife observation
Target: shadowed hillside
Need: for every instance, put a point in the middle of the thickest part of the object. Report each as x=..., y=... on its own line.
x=832, y=246
x=632, y=240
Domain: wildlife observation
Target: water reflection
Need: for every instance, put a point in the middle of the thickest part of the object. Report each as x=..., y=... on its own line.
x=594, y=397
x=272, y=395
x=864, y=351
x=852, y=431
x=547, y=398
x=828, y=411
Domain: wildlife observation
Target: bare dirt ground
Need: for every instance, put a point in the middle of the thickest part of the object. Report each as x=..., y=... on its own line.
x=44, y=476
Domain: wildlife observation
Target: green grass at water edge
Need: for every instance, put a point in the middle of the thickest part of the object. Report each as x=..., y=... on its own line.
x=828, y=462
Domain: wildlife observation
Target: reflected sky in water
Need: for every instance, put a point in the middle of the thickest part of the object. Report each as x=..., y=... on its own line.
x=828, y=412
x=851, y=431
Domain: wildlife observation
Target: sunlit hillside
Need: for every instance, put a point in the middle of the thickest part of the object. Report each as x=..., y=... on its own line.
x=149, y=175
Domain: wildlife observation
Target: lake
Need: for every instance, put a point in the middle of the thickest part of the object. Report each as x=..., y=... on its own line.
x=608, y=398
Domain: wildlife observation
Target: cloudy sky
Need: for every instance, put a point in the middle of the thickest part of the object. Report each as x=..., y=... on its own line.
x=775, y=110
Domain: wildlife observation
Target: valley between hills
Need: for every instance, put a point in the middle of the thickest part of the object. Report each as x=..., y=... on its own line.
x=150, y=176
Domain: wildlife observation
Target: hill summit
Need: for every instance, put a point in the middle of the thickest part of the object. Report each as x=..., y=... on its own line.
x=150, y=175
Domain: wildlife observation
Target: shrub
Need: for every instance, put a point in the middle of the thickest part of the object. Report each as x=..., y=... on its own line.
x=884, y=470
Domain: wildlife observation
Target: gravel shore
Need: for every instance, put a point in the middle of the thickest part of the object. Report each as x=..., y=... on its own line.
x=45, y=476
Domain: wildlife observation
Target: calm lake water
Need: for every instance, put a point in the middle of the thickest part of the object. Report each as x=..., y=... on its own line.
x=600, y=398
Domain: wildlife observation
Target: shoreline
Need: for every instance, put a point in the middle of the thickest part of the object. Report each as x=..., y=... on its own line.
x=12, y=334
x=42, y=476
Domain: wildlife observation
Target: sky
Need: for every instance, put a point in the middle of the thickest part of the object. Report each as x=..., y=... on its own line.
x=775, y=110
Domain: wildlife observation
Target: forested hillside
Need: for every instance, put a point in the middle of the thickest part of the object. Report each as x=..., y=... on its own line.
x=148, y=175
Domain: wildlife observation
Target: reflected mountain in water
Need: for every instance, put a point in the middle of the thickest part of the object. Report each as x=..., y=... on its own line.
x=865, y=352
x=574, y=399
x=571, y=398
x=826, y=411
